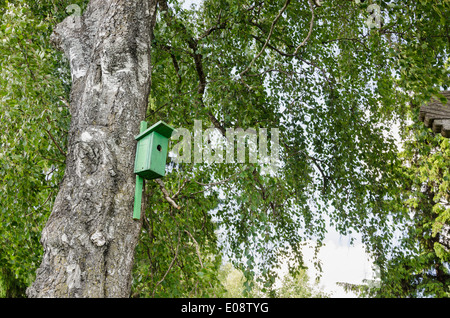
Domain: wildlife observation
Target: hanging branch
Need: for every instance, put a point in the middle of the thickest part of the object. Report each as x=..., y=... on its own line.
x=54, y=141
x=266, y=43
x=268, y=38
x=311, y=25
x=197, y=247
x=170, y=266
x=198, y=60
x=166, y=194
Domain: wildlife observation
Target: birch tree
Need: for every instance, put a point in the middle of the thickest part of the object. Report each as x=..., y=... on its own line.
x=332, y=76
x=89, y=238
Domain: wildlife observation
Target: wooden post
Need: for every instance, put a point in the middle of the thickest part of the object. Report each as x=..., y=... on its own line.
x=139, y=186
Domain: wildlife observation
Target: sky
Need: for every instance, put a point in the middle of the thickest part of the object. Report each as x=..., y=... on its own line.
x=187, y=3
x=341, y=262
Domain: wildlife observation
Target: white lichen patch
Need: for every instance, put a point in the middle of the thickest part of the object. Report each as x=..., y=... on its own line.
x=73, y=276
x=77, y=61
x=86, y=137
x=98, y=239
x=90, y=182
x=64, y=239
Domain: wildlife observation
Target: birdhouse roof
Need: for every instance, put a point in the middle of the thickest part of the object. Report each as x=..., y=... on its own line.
x=436, y=115
x=160, y=127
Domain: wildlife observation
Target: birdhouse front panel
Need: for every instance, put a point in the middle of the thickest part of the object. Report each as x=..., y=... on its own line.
x=151, y=152
x=151, y=156
x=142, y=155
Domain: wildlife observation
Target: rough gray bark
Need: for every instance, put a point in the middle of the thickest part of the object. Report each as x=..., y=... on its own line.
x=90, y=237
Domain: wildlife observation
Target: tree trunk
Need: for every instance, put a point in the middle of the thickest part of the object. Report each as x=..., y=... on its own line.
x=90, y=237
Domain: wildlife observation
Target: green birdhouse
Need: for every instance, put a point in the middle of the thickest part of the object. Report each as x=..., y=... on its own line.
x=151, y=152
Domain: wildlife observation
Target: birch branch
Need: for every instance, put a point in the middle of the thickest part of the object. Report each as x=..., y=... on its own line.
x=311, y=25
x=167, y=194
x=268, y=38
x=197, y=247
x=170, y=266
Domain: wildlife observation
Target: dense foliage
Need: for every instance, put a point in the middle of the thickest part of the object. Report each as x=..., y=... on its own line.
x=328, y=76
x=34, y=122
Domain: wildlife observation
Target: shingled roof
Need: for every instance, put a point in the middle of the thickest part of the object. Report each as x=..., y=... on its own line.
x=436, y=116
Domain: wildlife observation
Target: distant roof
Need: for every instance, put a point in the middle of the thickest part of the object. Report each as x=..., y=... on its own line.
x=436, y=115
